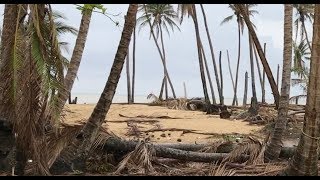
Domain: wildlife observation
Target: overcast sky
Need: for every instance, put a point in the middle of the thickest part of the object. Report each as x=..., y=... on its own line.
x=181, y=50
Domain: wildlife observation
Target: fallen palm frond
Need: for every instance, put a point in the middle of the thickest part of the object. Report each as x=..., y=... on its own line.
x=151, y=121
x=152, y=117
x=139, y=160
x=252, y=147
x=220, y=170
x=133, y=130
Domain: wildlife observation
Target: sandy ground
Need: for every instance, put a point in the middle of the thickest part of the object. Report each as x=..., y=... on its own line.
x=193, y=120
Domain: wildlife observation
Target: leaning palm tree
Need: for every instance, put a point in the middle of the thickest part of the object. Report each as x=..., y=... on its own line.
x=304, y=13
x=240, y=23
x=274, y=147
x=75, y=60
x=261, y=54
x=160, y=16
x=190, y=10
x=305, y=159
x=84, y=140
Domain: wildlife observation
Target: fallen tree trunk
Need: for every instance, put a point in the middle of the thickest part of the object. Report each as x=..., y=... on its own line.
x=120, y=147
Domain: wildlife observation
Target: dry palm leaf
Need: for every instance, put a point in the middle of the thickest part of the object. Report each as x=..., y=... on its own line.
x=252, y=147
x=220, y=170
x=139, y=160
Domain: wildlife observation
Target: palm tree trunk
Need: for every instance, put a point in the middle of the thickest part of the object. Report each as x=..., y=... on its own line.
x=221, y=77
x=254, y=102
x=208, y=74
x=274, y=147
x=278, y=75
x=305, y=160
x=235, y=99
x=75, y=61
x=202, y=74
x=83, y=142
x=263, y=59
x=164, y=58
x=185, y=90
x=161, y=56
x=161, y=89
x=128, y=77
x=166, y=87
x=305, y=32
x=258, y=66
x=245, y=94
x=230, y=72
x=264, y=78
x=133, y=64
x=212, y=55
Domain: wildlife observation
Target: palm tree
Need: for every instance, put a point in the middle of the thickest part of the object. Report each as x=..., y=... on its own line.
x=240, y=22
x=304, y=12
x=305, y=159
x=159, y=16
x=33, y=69
x=212, y=55
x=262, y=57
x=274, y=147
x=208, y=73
x=75, y=58
x=301, y=54
x=84, y=140
x=190, y=9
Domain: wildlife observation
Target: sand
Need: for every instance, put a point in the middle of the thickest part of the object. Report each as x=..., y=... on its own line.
x=193, y=120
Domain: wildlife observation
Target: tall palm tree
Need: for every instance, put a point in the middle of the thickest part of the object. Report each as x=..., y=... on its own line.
x=274, y=147
x=305, y=159
x=262, y=57
x=212, y=55
x=75, y=59
x=190, y=10
x=240, y=22
x=83, y=142
x=304, y=12
x=159, y=16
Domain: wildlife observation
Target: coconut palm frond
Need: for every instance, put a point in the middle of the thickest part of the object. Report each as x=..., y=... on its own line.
x=220, y=170
x=158, y=15
x=251, y=147
x=139, y=160
x=185, y=9
x=227, y=19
